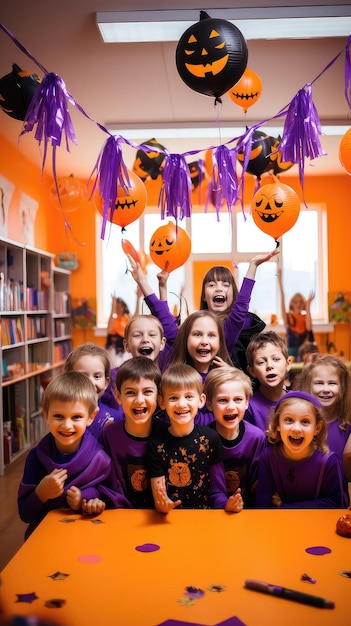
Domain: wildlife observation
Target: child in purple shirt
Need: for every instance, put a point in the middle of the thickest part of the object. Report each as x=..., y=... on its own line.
x=228, y=391
x=68, y=467
x=297, y=470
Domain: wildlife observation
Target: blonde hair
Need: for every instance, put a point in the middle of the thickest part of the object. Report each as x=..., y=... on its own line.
x=273, y=434
x=136, y=318
x=70, y=387
x=88, y=349
x=179, y=376
x=226, y=375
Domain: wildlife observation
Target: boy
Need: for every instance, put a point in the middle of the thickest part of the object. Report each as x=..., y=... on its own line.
x=68, y=466
x=268, y=363
x=228, y=391
x=185, y=459
x=126, y=442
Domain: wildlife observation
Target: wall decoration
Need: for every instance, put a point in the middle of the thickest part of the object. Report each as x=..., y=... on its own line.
x=339, y=305
x=84, y=312
x=27, y=214
x=6, y=192
x=67, y=193
x=211, y=56
x=67, y=260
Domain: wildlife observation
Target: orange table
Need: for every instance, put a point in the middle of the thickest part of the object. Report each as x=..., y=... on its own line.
x=111, y=583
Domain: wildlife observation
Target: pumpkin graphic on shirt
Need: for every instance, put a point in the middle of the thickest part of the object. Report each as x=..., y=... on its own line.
x=179, y=475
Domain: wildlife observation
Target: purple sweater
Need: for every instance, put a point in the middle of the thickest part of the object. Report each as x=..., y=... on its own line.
x=89, y=469
x=313, y=483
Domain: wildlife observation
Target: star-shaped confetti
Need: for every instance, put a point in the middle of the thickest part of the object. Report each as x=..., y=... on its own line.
x=194, y=592
x=345, y=573
x=186, y=601
x=217, y=588
x=96, y=521
x=55, y=603
x=67, y=520
x=27, y=597
x=58, y=576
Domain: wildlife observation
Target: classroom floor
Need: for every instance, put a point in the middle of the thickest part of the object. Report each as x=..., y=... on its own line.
x=11, y=527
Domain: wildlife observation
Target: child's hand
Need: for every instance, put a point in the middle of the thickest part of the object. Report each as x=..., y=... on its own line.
x=51, y=486
x=276, y=499
x=94, y=506
x=262, y=258
x=135, y=270
x=235, y=503
x=218, y=362
x=163, y=503
x=74, y=498
x=163, y=276
x=311, y=296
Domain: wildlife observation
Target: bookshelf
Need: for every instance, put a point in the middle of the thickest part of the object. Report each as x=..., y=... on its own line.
x=35, y=334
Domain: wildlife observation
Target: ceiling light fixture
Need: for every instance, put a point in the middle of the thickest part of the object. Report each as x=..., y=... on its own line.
x=254, y=23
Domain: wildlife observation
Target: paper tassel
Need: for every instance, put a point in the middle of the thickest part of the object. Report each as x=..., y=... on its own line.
x=301, y=132
x=111, y=173
x=48, y=110
x=175, y=194
x=224, y=178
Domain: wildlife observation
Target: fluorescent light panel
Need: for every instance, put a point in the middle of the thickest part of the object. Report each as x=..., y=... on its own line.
x=257, y=23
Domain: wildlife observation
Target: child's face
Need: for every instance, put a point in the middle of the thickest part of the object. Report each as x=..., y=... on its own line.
x=269, y=366
x=218, y=295
x=144, y=339
x=138, y=399
x=67, y=422
x=181, y=405
x=228, y=405
x=297, y=427
x=297, y=303
x=93, y=367
x=203, y=342
x=325, y=385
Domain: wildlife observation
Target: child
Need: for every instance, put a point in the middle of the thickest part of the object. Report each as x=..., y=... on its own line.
x=297, y=320
x=219, y=294
x=93, y=360
x=144, y=336
x=68, y=467
x=119, y=318
x=126, y=442
x=218, y=300
x=296, y=470
x=328, y=379
x=228, y=391
x=185, y=460
x=268, y=364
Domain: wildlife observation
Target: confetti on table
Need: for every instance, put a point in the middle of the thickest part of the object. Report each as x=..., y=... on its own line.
x=306, y=578
x=318, y=550
x=55, y=603
x=217, y=588
x=58, y=576
x=27, y=597
x=148, y=547
x=345, y=573
x=96, y=521
x=186, y=601
x=231, y=621
x=67, y=520
x=90, y=558
x=194, y=592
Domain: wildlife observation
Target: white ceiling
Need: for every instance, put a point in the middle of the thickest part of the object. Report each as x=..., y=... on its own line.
x=139, y=83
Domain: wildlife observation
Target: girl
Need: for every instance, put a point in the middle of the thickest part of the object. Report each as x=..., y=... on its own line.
x=93, y=360
x=297, y=471
x=328, y=379
x=117, y=322
x=297, y=320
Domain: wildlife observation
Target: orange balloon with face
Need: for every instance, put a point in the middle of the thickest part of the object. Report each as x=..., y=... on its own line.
x=128, y=207
x=170, y=245
x=247, y=90
x=275, y=208
x=72, y=193
x=345, y=151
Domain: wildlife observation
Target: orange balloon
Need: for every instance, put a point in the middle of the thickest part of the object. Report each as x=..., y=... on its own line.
x=247, y=90
x=275, y=208
x=128, y=248
x=170, y=245
x=128, y=207
x=345, y=151
x=72, y=192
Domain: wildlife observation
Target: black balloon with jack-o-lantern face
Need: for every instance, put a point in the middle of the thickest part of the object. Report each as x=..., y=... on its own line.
x=211, y=56
x=149, y=163
x=261, y=148
x=16, y=92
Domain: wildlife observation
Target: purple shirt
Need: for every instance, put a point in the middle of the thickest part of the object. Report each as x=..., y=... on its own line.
x=89, y=469
x=259, y=410
x=312, y=483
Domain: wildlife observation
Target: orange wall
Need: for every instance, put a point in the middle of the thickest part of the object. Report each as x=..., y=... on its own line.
x=51, y=234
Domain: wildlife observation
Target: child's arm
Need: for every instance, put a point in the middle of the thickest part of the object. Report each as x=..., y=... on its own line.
x=308, y=318
x=52, y=485
x=282, y=297
x=74, y=498
x=163, y=503
x=162, y=278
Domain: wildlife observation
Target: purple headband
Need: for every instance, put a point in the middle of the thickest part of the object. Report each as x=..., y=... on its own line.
x=302, y=395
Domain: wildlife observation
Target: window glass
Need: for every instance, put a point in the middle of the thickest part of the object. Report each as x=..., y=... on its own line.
x=210, y=235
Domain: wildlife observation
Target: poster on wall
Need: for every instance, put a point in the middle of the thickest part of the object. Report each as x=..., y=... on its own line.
x=84, y=312
x=6, y=192
x=27, y=212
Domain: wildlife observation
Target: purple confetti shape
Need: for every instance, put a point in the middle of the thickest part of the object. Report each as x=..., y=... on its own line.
x=318, y=550
x=27, y=597
x=194, y=592
x=148, y=547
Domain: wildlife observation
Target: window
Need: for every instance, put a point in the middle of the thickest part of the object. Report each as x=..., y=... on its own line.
x=303, y=255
